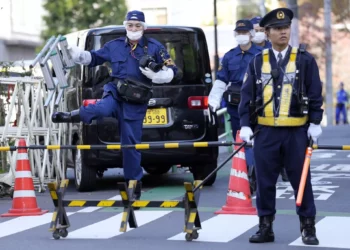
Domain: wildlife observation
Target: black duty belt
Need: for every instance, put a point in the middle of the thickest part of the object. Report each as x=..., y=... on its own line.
x=134, y=91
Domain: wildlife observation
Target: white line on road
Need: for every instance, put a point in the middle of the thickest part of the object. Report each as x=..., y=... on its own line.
x=106, y=229
x=23, y=223
x=223, y=228
x=332, y=232
x=322, y=155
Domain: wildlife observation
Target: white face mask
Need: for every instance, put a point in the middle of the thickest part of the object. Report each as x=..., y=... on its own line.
x=134, y=35
x=242, y=39
x=259, y=37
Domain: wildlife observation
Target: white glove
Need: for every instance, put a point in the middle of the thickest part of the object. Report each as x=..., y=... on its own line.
x=215, y=95
x=314, y=131
x=147, y=72
x=79, y=55
x=163, y=76
x=246, y=133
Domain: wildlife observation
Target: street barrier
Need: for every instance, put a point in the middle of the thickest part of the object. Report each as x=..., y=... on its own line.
x=128, y=203
x=60, y=223
x=146, y=146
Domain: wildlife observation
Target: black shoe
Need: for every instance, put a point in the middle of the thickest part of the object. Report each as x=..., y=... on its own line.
x=265, y=232
x=308, y=230
x=66, y=117
x=284, y=174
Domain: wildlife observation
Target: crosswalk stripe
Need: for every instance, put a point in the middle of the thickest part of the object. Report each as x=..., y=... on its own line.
x=223, y=228
x=108, y=228
x=21, y=224
x=332, y=232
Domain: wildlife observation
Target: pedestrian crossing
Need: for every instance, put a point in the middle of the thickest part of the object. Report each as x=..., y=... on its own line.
x=166, y=226
x=337, y=238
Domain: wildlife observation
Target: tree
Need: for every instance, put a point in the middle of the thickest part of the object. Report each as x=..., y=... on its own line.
x=312, y=32
x=340, y=9
x=67, y=16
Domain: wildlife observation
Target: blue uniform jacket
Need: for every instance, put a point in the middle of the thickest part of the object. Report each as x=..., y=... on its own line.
x=235, y=63
x=233, y=67
x=312, y=86
x=342, y=96
x=267, y=45
x=125, y=63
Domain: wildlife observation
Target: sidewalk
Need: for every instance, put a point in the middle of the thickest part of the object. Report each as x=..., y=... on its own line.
x=335, y=135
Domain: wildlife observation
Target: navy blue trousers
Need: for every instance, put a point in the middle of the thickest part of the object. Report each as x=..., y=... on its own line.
x=341, y=110
x=274, y=147
x=130, y=120
x=235, y=126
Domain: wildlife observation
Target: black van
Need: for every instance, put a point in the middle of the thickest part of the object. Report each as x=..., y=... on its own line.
x=177, y=112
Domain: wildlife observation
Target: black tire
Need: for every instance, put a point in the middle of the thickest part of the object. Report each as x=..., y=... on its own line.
x=201, y=172
x=154, y=170
x=85, y=175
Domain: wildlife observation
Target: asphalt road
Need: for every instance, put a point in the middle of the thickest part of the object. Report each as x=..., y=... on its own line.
x=93, y=228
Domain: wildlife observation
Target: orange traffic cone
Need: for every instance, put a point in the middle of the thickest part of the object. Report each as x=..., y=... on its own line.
x=238, y=199
x=24, y=200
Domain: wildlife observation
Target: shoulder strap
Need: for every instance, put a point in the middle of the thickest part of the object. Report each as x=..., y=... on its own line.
x=145, y=46
x=302, y=47
x=301, y=50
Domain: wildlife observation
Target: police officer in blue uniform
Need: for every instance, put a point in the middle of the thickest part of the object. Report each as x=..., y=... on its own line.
x=137, y=63
x=230, y=77
x=260, y=38
x=283, y=96
x=342, y=101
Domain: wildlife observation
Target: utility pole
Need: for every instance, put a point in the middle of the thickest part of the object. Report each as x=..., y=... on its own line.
x=216, y=57
x=294, y=39
x=328, y=40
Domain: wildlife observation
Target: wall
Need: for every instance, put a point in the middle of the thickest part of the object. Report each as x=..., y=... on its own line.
x=21, y=25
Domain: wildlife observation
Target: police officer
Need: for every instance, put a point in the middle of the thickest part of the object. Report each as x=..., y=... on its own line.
x=260, y=38
x=288, y=97
x=342, y=100
x=230, y=77
x=119, y=99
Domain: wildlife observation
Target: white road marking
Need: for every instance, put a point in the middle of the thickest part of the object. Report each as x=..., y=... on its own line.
x=332, y=232
x=23, y=223
x=109, y=228
x=223, y=228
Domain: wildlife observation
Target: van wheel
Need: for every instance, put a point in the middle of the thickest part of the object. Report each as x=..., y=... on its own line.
x=154, y=170
x=85, y=175
x=201, y=172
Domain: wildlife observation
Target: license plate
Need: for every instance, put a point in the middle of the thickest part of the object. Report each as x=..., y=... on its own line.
x=156, y=117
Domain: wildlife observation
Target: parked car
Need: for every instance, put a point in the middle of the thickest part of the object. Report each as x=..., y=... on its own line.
x=177, y=112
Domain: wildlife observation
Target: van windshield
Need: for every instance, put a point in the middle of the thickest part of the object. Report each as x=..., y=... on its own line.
x=187, y=51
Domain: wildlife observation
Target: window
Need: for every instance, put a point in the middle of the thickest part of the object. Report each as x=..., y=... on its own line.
x=185, y=48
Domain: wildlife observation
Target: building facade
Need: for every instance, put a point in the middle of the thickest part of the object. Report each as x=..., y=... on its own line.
x=21, y=22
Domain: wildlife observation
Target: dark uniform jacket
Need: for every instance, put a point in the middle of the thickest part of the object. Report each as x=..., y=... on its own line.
x=309, y=74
